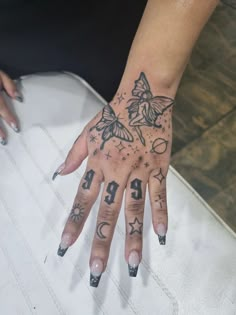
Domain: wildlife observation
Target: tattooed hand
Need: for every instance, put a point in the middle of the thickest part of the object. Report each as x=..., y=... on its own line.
x=128, y=145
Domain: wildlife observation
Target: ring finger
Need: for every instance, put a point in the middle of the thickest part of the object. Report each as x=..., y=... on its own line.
x=134, y=213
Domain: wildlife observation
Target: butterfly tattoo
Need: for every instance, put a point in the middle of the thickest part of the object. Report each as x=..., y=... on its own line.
x=111, y=127
x=145, y=108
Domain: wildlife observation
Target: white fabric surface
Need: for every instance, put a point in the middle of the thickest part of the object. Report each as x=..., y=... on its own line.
x=195, y=273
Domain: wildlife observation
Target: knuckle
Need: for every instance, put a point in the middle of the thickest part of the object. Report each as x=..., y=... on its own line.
x=108, y=214
x=136, y=207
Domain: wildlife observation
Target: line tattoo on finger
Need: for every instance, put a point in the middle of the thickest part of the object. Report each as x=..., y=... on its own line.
x=88, y=179
x=99, y=228
x=136, y=227
x=76, y=213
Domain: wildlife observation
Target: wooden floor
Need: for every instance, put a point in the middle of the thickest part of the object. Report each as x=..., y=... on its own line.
x=204, y=147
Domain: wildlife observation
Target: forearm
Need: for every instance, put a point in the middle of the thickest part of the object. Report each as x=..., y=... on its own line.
x=164, y=41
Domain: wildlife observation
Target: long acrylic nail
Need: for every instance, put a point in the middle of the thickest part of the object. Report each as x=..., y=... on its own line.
x=133, y=263
x=58, y=171
x=96, y=272
x=18, y=97
x=64, y=245
x=161, y=232
x=14, y=127
x=3, y=141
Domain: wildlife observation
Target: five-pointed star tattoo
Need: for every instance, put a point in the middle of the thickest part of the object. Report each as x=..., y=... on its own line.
x=136, y=227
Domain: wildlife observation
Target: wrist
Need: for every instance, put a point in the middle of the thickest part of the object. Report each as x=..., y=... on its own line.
x=161, y=83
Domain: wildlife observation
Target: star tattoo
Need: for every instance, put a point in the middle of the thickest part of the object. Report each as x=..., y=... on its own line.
x=93, y=139
x=107, y=155
x=136, y=227
x=120, y=147
x=120, y=98
x=159, y=176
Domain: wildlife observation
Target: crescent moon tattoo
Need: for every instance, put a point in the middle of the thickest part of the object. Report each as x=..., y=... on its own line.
x=99, y=229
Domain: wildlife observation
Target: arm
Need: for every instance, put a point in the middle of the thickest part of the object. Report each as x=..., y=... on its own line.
x=164, y=41
x=128, y=144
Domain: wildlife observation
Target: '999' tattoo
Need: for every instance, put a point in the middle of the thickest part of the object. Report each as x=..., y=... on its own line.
x=88, y=179
x=136, y=184
x=111, y=190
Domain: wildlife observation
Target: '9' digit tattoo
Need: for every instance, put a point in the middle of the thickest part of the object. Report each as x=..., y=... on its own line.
x=88, y=179
x=111, y=190
x=136, y=184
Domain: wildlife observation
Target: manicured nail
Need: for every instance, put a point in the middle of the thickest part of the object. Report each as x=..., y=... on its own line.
x=161, y=232
x=18, y=96
x=96, y=272
x=64, y=245
x=3, y=141
x=58, y=171
x=14, y=127
x=133, y=263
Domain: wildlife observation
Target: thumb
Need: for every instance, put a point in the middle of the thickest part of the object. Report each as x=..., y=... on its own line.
x=75, y=157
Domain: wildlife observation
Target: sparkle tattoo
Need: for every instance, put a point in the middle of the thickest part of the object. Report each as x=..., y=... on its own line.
x=159, y=176
x=144, y=108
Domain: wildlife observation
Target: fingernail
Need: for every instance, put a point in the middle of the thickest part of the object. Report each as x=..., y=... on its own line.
x=14, y=127
x=161, y=232
x=96, y=272
x=133, y=263
x=3, y=141
x=18, y=96
x=64, y=245
x=58, y=171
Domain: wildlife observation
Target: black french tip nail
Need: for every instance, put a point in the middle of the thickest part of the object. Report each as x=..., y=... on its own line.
x=55, y=175
x=133, y=271
x=94, y=280
x=19, y=98
x=61, y=251
x=162, y=239
x=3, y=141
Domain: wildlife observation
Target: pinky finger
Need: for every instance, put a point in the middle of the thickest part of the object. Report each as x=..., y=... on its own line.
x=157, y=194
x=3, y=140
x=10, y=87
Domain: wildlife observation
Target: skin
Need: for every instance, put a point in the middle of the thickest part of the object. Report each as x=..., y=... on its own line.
x=7, y=85
x=163, y=59
x=161, y=50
